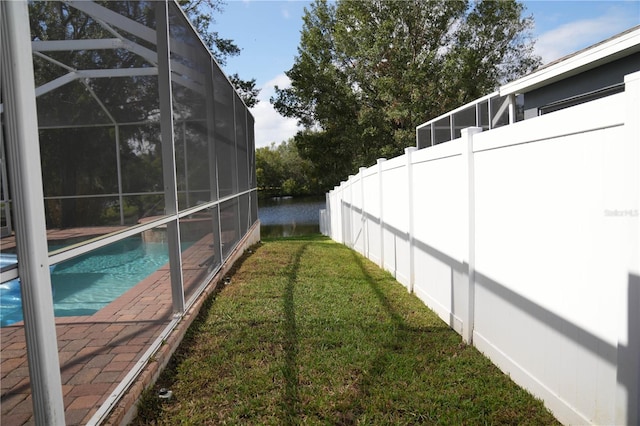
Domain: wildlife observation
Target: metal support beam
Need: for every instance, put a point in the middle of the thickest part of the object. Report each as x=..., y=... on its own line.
x=102, y=13
x=211, y=134
x=108, y=73
x=6, y=230
x=84, y=44
x=119, y=170
x=26, y=184
x=110, y=17
x=185, y=156
x=169, y=155
x=495, y=117
x=214, y=192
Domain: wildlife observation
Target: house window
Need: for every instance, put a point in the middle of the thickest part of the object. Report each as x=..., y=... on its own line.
x=580, y=99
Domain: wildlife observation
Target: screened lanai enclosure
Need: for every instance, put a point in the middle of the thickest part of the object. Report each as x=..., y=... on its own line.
x=135, y=178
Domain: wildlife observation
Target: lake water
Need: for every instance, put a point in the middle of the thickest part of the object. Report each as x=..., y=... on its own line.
x=290, y=216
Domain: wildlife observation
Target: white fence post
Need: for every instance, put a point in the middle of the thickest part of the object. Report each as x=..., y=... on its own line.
x=628, y=359
x=379, y=162
x=350, y=182
x=342, y=218
x=363, y=227
x=339, y=200
x=469, y=252
x=345, y=190
x=326, y=216
x=408, y=152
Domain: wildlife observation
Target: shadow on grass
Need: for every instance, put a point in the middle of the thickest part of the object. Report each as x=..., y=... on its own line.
x=401, y=337
x=428, y=343
x=437, y=378
x=291, y=397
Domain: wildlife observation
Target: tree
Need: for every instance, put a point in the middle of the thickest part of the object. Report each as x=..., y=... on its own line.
x=368, y=72
x=281, y=171
x=246, y=89
x=201, y=13
x=322, y=99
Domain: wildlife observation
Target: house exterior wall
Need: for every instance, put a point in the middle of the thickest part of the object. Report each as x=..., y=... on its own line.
x=525, y=241
x=606, y=75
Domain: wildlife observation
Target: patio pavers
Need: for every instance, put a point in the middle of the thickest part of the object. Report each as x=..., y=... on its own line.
x=97, y=352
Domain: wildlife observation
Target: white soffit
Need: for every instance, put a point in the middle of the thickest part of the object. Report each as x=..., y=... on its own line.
x=619, y=46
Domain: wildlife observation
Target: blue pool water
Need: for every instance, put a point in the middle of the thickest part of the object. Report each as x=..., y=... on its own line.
x=86, y=284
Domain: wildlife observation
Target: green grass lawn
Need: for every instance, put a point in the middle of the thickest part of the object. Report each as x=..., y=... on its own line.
x=310, y=332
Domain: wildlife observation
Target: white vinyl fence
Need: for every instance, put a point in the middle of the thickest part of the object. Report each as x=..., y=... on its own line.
x=524, y=239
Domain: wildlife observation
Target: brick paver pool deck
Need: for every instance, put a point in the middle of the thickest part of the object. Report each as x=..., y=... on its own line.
x=97, y=352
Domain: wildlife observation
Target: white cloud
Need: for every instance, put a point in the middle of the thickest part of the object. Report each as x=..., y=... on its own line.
x=574, y=36
x=270, y=126
x=268, y=89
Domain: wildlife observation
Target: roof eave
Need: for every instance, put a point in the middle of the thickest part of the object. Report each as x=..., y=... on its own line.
x=610, y=50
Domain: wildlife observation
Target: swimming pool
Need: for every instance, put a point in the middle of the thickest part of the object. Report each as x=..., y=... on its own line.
x=87, y=283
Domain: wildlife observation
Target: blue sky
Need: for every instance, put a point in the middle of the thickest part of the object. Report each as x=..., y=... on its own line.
x=268, y=32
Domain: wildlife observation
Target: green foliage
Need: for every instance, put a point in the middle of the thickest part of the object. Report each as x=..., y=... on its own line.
x=201, y=13
x=111, y=215
x=281, y=171
x=246, y=89
x=368, y=72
